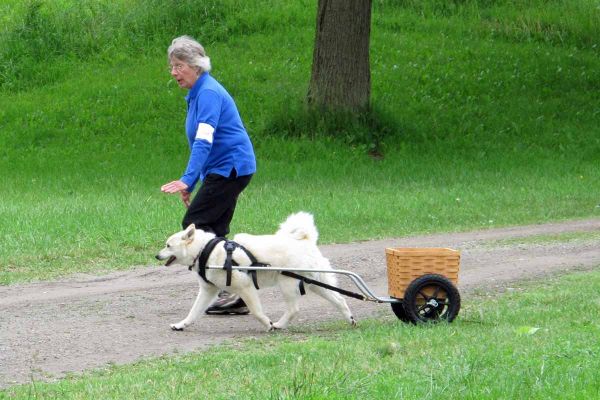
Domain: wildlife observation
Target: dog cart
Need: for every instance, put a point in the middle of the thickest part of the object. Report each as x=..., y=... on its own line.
x=421, y=283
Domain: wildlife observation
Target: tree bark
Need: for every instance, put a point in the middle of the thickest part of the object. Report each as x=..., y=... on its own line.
x=341, y=75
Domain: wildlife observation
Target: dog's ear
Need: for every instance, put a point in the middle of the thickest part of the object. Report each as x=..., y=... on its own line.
x=188, y=234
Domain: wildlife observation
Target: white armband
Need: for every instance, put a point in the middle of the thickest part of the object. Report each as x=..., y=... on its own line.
x=205, y=132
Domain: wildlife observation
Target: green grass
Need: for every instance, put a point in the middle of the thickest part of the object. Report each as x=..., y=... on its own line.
x=490, y=112
x=532, y=343
x=43, y=39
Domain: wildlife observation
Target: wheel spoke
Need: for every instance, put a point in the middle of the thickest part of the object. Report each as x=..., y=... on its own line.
x=423, y=307
x=424, y=296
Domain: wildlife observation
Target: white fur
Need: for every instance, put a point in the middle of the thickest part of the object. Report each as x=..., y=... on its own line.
x=300, y=226
x=293, y=246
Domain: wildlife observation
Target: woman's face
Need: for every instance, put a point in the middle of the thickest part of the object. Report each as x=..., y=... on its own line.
x=184, y=74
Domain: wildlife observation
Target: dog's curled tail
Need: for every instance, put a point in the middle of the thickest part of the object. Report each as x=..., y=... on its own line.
x=300, y=226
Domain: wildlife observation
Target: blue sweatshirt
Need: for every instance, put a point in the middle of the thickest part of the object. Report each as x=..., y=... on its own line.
x=228, y=147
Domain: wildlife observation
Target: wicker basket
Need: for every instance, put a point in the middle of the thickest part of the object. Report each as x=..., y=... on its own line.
x=406, y=264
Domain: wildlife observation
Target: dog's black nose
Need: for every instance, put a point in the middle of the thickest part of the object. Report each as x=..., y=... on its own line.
x=157, y=257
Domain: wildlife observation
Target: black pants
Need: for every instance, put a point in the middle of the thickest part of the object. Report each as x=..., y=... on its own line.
x=212, y=208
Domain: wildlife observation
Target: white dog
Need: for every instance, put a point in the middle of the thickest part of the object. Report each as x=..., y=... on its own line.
x=293, y=246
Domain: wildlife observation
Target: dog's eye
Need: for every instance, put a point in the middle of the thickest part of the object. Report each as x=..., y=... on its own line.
x=168, y=245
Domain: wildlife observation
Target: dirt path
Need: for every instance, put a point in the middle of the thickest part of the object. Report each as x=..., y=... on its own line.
x=48, y=329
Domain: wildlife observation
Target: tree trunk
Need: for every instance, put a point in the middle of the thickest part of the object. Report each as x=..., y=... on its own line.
x=341, y=75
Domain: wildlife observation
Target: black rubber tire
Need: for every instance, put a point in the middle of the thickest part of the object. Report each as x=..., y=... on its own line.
x=431, y=298
x=398, y=309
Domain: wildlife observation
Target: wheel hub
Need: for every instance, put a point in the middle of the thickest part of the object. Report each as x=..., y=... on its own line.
x=433, y=303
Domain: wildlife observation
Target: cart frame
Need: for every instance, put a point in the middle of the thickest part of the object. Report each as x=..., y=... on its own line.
x=355, y=278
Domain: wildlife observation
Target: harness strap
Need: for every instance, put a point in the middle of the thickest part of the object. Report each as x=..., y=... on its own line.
x=230, y=247
x=301, y=288
x=202, y=258
x=323, y=285
x=252, y=273
x=253, y=262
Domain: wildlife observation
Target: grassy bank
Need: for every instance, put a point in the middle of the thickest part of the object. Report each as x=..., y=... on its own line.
x=491, y=113
x=533, y=342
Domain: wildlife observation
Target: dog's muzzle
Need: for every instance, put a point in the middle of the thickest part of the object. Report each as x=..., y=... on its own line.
x=169, y=261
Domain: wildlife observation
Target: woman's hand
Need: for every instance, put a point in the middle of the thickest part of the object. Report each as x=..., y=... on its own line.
x=185, y=197
x=174, y=187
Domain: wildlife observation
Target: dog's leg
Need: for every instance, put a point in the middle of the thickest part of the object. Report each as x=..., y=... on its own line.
x=206, y=296
x=337, y=300
x=250, y=297
x=291, y=295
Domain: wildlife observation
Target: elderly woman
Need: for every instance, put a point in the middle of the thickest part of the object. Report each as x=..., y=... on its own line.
x=221, y=156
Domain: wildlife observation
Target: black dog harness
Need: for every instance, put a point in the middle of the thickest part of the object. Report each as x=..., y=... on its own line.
x=230, y=247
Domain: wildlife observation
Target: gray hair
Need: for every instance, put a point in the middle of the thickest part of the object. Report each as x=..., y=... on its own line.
x=188, y=50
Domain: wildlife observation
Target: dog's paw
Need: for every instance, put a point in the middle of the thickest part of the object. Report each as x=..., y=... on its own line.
x=278, y=326
x=177, y=327
x=273, y=328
